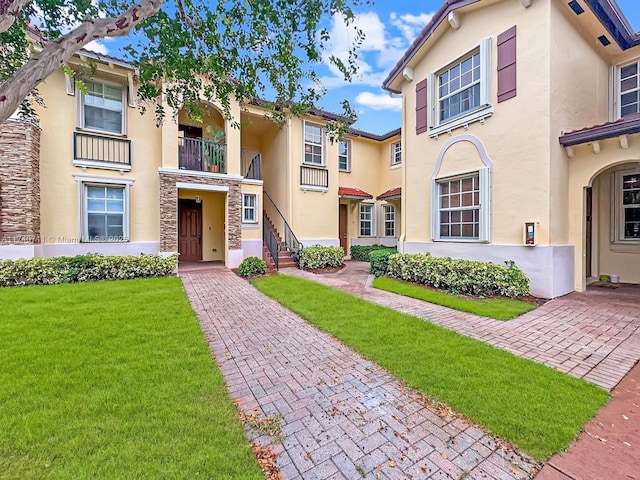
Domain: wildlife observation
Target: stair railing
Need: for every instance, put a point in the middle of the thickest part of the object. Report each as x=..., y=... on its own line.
x=270, y=240
x=290, y=240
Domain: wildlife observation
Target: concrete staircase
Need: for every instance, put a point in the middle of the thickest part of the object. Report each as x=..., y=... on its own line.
x=285, y=260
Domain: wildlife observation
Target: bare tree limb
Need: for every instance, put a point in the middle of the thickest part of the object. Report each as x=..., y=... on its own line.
x=15, y=89
x=9, y=11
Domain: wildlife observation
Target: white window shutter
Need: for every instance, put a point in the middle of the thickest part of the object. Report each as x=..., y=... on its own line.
x=435, y=211
x=613, y=93
x=485, y=71
x=485, y=204
x=131, y=91
x=70, y=83
x=432, y=101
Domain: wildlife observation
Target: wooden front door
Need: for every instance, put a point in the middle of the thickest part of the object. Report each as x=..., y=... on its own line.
x=190, y=231
x=588, y=231
x=342, y=228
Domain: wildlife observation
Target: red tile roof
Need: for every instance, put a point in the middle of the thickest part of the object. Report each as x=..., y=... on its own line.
x=389, y=194
x=352, y=192
x=626, y=125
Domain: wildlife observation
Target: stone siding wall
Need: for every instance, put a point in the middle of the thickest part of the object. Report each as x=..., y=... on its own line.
x=19, y=183
x=169, y=209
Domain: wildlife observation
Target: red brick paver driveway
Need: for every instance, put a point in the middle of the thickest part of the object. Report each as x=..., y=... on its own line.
x=343, y=416
x=593, y=335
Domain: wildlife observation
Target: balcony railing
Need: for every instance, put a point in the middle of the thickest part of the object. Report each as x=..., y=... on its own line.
x=314, y=177
x=202, y=155
x=101, y=148
x=251, y=164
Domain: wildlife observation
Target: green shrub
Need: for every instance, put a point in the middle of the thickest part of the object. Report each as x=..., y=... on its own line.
x=84, y=268
x=380, y=260
x=252, y=266
x=361, y=252
x=321, y=257
x=460, y=276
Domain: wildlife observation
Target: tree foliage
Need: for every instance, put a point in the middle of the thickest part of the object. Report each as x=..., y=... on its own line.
x=183, y=50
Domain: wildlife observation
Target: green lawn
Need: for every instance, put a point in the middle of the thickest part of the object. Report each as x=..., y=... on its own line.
x=534, y=407
x=113, y=380
x=497, y=308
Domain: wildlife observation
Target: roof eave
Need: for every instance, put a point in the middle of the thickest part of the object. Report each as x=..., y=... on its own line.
x=603, y=132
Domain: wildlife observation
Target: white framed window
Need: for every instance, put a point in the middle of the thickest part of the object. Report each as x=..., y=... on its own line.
x=105, y=213
x=460, y=92
x=461, y=207
x=102, y=107
x=629, y=89
x=344, y=155
x=396, y=153
x=249, y=208
x=313, y=144
x=366, y=224
x=389, y=221
x=627, y=206
x=459, y=88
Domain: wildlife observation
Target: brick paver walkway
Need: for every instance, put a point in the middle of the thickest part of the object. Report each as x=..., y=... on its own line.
x=343, y=416
x=593, y=335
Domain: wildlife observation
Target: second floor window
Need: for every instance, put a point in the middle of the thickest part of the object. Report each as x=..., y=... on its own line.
x=344, y=155
x=459, y=88
x=313, y=144
x=103, y=107
x=629, y=89
x=396, y=153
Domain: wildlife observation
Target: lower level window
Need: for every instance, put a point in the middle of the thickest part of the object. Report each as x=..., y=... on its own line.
x=249, y=208
x=462, y=207
x=105, y=214
x=366, y=220
x=389, y=221
x=630, y=208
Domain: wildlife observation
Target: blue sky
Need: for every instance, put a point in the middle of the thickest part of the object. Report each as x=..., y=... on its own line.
x=390, y=27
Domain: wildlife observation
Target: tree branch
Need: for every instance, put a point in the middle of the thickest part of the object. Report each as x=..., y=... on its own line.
x=9, y=11
x=15, y=89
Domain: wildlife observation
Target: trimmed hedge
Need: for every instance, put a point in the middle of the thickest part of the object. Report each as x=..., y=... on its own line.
x=321, y=257
x=380, y=260
x=460, y=276
x=361, y=252
x=84, y=268
x=252, y=266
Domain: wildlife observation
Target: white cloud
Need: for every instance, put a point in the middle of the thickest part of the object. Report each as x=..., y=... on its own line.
x=380, y=101
x=97, y=46
x=410, y=25
x=383, y=45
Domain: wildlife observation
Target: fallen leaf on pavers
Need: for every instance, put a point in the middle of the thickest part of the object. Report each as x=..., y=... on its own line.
x=516, y=471
x=392, y=463
x=423, y=469
x=625, y=417
x=377, y=476
x=236, y=402
x=454, y=441
x=307, y=456
x=404, y=458
x=267, y=461
x=443, y=455
x=379, y=468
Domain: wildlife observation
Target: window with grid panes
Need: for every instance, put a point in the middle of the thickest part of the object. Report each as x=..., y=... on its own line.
x=459, y=208
x=629, y=89
x=389, y=221
x=459, y=88
x=313, y=144
x=103, y=107
x=105, y=213
x=366, y=220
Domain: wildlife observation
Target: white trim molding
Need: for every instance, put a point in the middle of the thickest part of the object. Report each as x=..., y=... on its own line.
x=201, y=186
x=193, y=173
x=84, y=164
